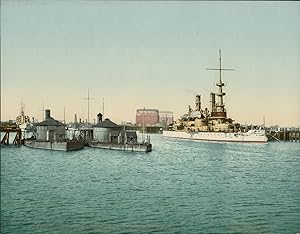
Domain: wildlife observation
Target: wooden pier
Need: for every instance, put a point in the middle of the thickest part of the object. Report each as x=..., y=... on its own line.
x=283, y=134
x=7, y=129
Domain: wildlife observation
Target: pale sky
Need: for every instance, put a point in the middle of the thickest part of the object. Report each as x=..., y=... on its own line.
x=150, y=54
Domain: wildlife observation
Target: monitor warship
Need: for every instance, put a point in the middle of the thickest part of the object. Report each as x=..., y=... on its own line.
x=213, y=125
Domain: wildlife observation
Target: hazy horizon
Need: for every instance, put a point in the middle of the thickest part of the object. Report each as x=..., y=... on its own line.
x=152, y=55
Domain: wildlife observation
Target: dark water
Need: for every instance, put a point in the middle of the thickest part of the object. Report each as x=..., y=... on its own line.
x=180, y=187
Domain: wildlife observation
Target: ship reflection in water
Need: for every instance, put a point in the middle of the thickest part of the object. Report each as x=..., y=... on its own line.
x=199, y=124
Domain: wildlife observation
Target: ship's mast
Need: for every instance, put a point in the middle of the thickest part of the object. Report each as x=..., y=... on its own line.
x=43, y=111
x=22, y=108
x=88, y=98
x=143, y=129
x=103, y=107
x=220, y=105
x=64, y=115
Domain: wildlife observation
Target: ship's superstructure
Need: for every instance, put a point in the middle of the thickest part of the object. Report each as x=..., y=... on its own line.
x=109, y=135
x=23, y=121
x=26, y=125
x=213, y=125
x=51, y=135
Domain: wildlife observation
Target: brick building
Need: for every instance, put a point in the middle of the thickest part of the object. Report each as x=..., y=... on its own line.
x=147, y=117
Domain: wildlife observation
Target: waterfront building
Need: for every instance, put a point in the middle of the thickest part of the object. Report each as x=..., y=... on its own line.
x=146, y=117
x=166, y=118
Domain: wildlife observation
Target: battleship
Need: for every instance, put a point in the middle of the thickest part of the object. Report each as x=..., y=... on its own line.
x=213, y=125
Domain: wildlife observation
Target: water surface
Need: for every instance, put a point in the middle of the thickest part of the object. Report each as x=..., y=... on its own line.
x=180, y=187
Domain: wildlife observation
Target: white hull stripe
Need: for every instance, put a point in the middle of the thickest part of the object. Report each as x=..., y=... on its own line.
x=252, y=136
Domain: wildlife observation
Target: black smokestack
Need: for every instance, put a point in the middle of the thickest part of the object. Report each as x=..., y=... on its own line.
x=99, y=118
x=47, y=114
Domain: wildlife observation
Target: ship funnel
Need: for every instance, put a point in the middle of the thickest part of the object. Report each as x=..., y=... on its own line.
x=75, y=118
x=198, y=102
x=213, y=102
x=99, y=118
x=47, y=114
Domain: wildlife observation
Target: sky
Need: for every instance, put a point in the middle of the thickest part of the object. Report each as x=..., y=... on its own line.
x=151, y=54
